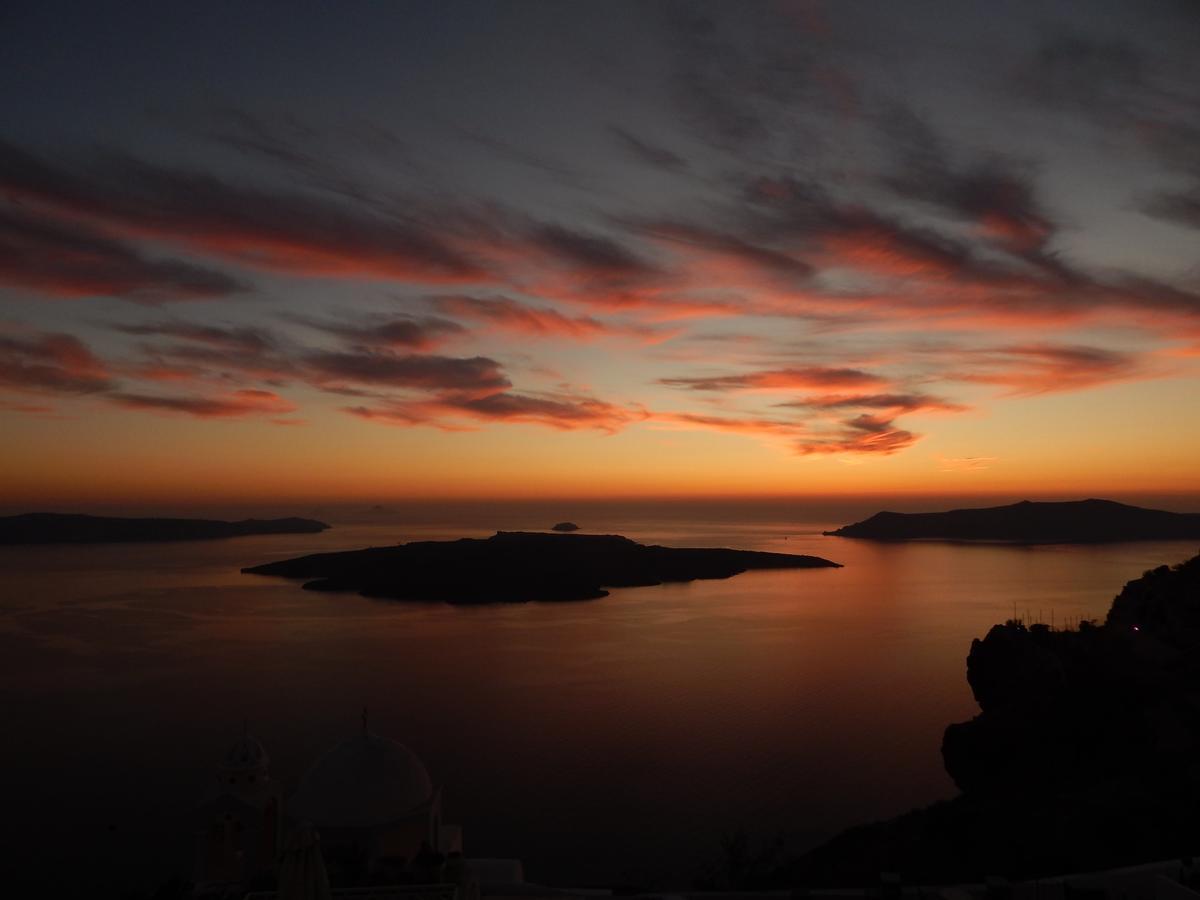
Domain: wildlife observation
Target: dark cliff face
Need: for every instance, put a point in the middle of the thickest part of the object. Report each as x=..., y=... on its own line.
x=1105, y=719
x=1058, y=709
x=1164, y=602
x=1085, y=753
x=1073, y=707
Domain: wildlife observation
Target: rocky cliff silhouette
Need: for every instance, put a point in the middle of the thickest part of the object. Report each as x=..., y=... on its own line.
x=1085, y=753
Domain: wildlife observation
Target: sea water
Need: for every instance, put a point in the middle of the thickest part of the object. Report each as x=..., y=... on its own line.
x=607, y=741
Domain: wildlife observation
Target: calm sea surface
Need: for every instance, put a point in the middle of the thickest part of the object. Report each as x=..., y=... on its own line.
x=613, y=739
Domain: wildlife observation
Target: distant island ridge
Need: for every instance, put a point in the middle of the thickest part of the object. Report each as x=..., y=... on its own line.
x=516, y=567
x=565, y=526
x=60, y=528
x=1070, y=522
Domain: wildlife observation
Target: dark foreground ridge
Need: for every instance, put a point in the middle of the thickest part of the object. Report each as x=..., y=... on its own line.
x=1083, y=756
x=55, y=528
x=1073, y=522
x=515, y=567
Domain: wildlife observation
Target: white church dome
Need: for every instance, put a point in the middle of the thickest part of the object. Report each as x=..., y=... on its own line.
x=365, y=781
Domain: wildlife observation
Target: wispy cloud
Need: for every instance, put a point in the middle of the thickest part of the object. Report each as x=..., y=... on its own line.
x=862, y=434
x=896, y=403
x=562, y=411
x=476, y=374
x=964, y=463
x=51, y=363
x=648, y=152
x=70, y=259
x=507, y=314
x=396, y=332
x=235, y=404
x=287, y=231
x=1025, y=370
x=249, y=340
x=801, y=378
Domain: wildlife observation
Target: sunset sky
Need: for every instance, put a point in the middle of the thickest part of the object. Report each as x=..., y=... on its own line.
x=378, y=250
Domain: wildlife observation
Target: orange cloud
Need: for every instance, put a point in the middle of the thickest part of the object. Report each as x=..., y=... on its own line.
x=965, y=463
x=863, y=434
x=1044, y=368
x=563, y=411
x=759, y=427
x=893, y=403
x=802, y=378
x=511, y=315
x=872, y=245
x=237, y=403
x=32, y=409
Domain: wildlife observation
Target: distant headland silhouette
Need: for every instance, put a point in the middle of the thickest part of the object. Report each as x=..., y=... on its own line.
x=58, y=528
x=515, y=567
x=1071, y=522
